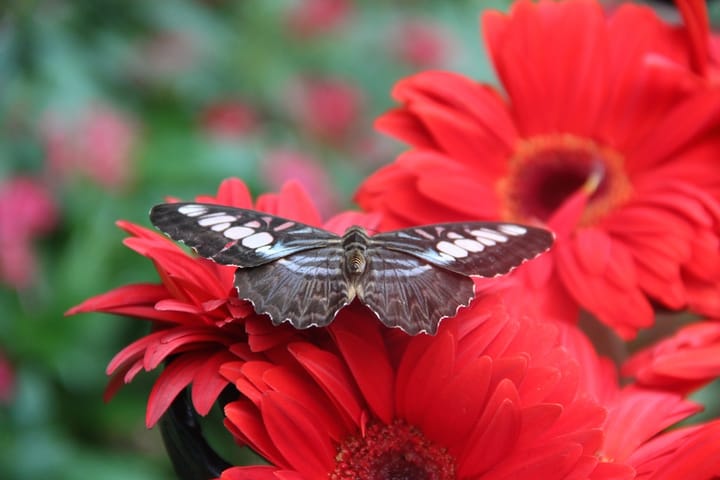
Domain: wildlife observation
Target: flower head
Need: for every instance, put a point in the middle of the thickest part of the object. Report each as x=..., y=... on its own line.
x=309, y=18
x=195, y=311
x=493, y=395
x=27, y=210
x=98, y=144
x=327, y=108
x=682, y=363
x=228, y=119
x=591, y=139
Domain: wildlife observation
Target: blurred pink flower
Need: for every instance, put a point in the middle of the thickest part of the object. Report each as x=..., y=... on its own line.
x=7, y=380
x=420, y=43
x=228, y=119
x=328, y=108
x=26, y=210
x=97, y=143
x=164, y=56
x=315, y=17
x=281, y=166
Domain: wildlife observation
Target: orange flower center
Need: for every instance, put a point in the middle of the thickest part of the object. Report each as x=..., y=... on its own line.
x=546, y=170
x=392, y=452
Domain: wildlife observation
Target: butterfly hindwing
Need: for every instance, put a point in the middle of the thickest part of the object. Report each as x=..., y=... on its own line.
x=235, y=236
x=478, y=249
x=410, y=293
x=305, y=289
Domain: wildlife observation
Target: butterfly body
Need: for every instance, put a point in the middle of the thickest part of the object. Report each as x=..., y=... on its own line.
x=304, y=275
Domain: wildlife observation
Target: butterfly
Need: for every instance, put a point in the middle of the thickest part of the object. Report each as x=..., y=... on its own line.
x=411, y=278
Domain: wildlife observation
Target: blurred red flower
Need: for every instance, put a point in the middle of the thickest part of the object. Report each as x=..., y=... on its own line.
x=640, y=429
x=195, y=311
x=420, y=43
x=699, y=50
x=164, y=56
x=315, y=17
x=97, y=143
x=592, y=140
x=228, y=119
x=493, y=395
x=7, y=380
x=281, y=166
x=328, y=108
x=684, y=362
x=27, y=210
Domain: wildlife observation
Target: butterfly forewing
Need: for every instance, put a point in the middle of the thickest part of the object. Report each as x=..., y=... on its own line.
x=235, y=236
x=410, y=293
x=478, y=249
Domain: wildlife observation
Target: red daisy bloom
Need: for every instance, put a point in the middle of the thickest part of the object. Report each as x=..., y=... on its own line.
x=592, y=139
x=638, y=418
x=195, y=311
x=492, y=396
x=691, y=47
x=682, y=363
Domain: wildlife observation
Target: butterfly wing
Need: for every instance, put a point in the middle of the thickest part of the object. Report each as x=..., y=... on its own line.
x=411, y=293
x=477, y=249
x=305, y=289
x=236, y=236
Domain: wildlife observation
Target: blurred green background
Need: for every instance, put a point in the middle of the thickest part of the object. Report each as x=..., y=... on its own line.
x=108, y=106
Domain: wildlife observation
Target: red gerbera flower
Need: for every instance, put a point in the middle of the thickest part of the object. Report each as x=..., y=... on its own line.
x=195, y=311
x=639, y=417
x=682, y=363
x=492, y=396
x=592, y=139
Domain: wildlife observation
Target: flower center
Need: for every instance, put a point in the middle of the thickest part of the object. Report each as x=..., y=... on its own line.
x=546, y=170
x=392, y=452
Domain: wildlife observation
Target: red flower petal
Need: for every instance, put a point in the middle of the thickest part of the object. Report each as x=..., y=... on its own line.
x=304, y=445
x=362, y=347
x=332, y=377
x=176, y=376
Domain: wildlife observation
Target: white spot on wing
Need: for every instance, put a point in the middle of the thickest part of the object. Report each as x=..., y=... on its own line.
x=451, y=249
x=252, y=224
x=470, y=245
x=220, y=227
x=486, y=241
x=514, y=230
x=283, y=226
x=447, y=258
x=192, y=210
x=423, y=233
x=236, y=233
x=485, y=233
x=207, y=220
x=256, y=240
x=454, y=235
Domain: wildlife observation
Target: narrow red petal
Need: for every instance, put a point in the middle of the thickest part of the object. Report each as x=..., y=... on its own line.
x=364, y=352
x=305, y=446
x=176, y=376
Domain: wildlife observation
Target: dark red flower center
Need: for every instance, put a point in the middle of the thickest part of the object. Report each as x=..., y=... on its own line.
x=392, y=452
x=546, y=170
